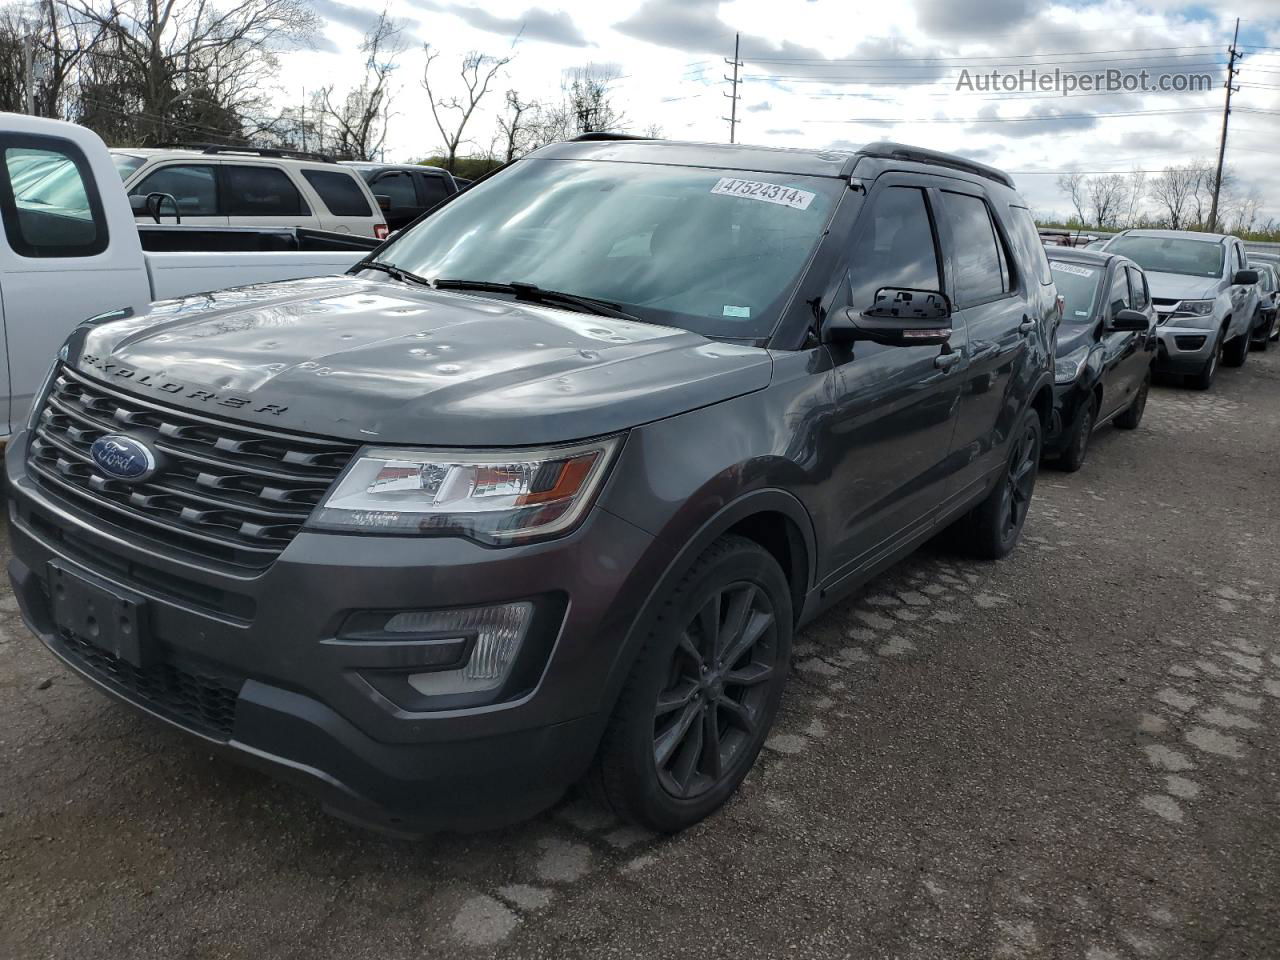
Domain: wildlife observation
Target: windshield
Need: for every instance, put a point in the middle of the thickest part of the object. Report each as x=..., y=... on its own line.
x=713, y=251
x=1078, y=283
x=125, y=163
x=1191, y=258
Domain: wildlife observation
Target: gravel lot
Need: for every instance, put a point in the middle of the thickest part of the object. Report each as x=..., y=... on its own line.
x=1071, y=753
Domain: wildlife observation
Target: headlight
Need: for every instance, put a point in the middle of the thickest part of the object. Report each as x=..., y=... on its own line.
x=1194, y=308
x=494, y=496
x=1067, y=368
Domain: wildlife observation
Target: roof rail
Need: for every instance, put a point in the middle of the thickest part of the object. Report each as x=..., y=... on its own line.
x=607, y=135
x=888, y=150
x=281, y=153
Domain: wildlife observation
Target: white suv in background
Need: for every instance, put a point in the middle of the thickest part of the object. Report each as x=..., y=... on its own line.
x=242, y=186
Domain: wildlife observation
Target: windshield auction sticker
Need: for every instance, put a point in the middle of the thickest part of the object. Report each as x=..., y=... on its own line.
x=1078, y=270
x=768, y=192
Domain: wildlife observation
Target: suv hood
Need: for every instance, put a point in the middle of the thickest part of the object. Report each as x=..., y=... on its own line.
x=382, y=361
x=1178, y=286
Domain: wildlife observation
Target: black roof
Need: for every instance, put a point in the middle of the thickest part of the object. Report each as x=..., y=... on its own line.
x=804, y=162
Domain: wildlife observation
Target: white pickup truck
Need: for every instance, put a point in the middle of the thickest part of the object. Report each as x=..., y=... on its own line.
x=70, y=249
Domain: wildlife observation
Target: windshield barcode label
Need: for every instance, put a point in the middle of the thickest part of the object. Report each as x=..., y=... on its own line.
x=768, y=192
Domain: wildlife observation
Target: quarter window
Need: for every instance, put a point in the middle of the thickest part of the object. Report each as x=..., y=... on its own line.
x=894, y=247
x=340, y=193
x=261, y=192
x=982, y=270
x=193, y=185
x=48, y=201
x=1138, y=289
x=1118, y=298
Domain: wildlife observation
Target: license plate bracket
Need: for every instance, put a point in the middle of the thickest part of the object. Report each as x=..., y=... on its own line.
x=110, y=618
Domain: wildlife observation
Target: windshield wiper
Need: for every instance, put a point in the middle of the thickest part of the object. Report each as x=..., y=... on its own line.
x=531, y=293
x=391, y=270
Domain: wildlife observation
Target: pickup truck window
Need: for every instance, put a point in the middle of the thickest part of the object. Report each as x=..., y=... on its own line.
x=434, y=190
x=261, y=192
x=193, y=185
x=715, y=251
x=1190, y=258
x=49, y=205
x=397, y=185
x=340, y=193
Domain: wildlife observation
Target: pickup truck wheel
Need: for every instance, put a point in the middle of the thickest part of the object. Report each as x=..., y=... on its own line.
x=994, y=526
x=1130, y=419
x=1236, y=351
x=1204, y=379
x=1076, y=448
x=703, y=693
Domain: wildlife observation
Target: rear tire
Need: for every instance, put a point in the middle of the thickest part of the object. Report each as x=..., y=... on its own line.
x=694, y=714
x=992, y=529
x=1076, y=448
x=1130, y=419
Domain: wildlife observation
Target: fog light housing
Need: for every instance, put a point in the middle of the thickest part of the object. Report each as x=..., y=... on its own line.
x=498, y=633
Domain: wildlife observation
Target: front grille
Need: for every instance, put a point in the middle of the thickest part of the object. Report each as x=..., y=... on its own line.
x=1164, y=301
x=199, y=701
x=224, y=491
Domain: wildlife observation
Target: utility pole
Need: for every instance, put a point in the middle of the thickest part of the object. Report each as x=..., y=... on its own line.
x=29, y=71
x=1226, y=113
x=733, y=97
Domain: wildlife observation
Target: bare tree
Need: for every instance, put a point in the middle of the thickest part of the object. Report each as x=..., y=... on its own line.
x=1136, y=185
x=517, y=125
x=360, y=117
x=590, y=102
x=1173, y=189
x=1106, y=198
x=452, y=114
x=1073, y=185
x=182, y=68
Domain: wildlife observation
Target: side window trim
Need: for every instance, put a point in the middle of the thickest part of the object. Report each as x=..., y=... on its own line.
x=9, y=205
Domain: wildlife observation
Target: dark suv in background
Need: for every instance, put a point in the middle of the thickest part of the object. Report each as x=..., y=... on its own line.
x=405, y=191
x=545, y=487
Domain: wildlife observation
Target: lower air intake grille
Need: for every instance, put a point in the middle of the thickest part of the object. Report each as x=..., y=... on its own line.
x=199, y=701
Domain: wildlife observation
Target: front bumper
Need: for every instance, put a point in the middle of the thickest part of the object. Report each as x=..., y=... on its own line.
x=1185, y=349
x=252, y=664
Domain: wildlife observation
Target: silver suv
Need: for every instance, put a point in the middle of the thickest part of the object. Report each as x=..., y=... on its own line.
x=1205, y=295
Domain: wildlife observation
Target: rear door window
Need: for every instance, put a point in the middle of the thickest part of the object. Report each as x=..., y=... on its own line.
x=894, y=247
x=340, y=192
x=48, y=200
x=193, y=185
x=982, y=271
x=261, y=192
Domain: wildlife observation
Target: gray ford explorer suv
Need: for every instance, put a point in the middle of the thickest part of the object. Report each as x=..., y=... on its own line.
x=544, y=488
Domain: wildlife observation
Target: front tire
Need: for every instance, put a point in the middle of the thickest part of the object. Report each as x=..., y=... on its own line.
x=1236, y=351
x=703, y=693
x=1077, y=446
x=1204, y=379
x=992, y=530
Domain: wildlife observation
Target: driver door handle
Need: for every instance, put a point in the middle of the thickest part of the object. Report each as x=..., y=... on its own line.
x=1027, y=325
x=945, y=361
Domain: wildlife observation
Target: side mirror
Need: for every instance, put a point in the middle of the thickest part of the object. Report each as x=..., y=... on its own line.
x=1246, y=277
x=138, y=203
x=1130, y=321
x=900, y=317
x=384, y=202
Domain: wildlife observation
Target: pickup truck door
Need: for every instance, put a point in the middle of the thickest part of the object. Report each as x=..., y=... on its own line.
x=67, y=252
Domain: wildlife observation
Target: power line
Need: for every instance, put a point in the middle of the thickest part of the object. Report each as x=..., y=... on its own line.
x=993, y=56
x=1055, y=116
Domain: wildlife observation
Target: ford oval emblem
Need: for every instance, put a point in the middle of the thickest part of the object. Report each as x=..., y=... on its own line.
x=123, y=457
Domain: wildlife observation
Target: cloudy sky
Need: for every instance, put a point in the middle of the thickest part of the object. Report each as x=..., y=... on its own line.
x=838, y=73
